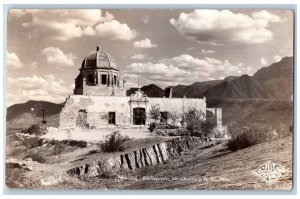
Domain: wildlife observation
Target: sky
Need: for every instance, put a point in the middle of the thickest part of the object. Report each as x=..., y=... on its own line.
x=45, y=47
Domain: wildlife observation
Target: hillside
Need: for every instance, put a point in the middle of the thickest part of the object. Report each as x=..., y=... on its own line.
x=272, y=82
x=31, y=113
x=277, y=78
x=150, y=90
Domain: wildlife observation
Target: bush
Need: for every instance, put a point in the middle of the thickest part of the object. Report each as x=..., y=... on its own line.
x=113, y=142
x=193, y=119
x=35, y=156
x=59, y=148
x=249, y=136
x=78, y=143
x=151, y=126
x=32, y=142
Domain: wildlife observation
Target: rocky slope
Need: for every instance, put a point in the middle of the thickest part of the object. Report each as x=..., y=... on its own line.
x=140, y=158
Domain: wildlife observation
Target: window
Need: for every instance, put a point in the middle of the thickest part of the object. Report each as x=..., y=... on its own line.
x=103, y=79
x=91, y=79
x=115, y=80
x=164, y=117
x=111, y=117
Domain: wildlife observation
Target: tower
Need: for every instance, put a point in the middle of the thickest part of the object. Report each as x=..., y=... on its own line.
x=99, y=76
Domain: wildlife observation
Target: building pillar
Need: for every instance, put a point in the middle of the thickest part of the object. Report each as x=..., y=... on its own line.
x=108, y=77
x=99, y=78
x=83, y=85
x=95, y=78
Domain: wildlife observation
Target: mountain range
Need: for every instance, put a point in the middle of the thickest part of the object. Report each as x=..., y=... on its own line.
x=274, y=82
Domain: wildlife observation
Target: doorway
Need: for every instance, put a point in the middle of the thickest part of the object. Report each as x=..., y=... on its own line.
x=111, y=117
x=81, y=120
x=139, y=116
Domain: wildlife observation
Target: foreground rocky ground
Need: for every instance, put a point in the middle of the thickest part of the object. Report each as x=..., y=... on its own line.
x=210, y=167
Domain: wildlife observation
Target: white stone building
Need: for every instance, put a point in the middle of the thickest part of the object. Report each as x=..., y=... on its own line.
x=100, y=99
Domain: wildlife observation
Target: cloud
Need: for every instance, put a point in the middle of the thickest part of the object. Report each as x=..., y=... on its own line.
x=265, y=16
x=115, y=31
x=65, y=24
x=277, y=58
x=146, y=43
x=183, y=69
x=57, y=56
x=46, y=88
x=13, y=60
x=33, y=66
x=223, y=27
x=138, y=56
x=263, y=61
x=146, y=19
x=204, y=51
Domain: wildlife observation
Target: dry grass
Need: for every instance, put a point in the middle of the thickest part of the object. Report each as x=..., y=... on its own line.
x=255, y=134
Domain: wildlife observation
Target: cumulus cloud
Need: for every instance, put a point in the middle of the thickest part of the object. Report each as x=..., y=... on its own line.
x=33, y=66
x=46, y=88
x=263, y=61
x=13, y=60
x=221, y=27
x=146, y=43
x=204, y=51
x=138, y=56
x=146, y=19
x=115, y=30
x=58, y=57
x=65, y=24
x=184, y=69
x=277, y=58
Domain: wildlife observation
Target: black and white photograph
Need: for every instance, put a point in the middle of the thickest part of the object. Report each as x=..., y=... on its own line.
x=149, y=99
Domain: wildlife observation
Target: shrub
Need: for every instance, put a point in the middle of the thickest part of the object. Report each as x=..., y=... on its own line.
x=32, y=142
x=113, y=142
x=174, y=116
x=193, y=119
x=59, y=148
x=78, y=143
x=35, y=156
x=249, y=136
x=198, y=123
x=151, y=126
x=208, y=124
x=154, y=112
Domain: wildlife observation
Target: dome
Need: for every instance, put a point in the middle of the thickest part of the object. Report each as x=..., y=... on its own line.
x=99, y=59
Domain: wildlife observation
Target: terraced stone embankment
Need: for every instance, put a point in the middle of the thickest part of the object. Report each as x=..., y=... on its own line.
x=144, y=157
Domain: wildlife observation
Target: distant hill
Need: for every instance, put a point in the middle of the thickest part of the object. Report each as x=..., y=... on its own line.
x=31, y=113
x=277, y=78
x=150, y=90
x=272, y=82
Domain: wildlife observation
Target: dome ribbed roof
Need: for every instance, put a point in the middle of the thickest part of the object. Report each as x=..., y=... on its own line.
x=99, y=59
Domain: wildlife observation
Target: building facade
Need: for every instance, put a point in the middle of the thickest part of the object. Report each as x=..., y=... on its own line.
x=100, y=100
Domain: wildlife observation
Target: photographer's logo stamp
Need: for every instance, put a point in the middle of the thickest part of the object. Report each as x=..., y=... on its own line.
x=269, y=172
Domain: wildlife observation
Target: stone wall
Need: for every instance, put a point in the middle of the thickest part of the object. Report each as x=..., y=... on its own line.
x=140, y=158
x=98, y=107
x=176, y=106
